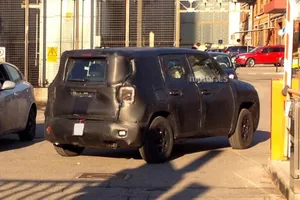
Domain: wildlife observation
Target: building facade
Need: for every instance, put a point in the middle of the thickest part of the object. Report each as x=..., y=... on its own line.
x=265, y=21
x=210, y=22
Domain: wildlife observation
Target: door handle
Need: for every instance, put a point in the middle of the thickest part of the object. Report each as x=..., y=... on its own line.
x=205, y=92
x=175, y=92
x=16, y=94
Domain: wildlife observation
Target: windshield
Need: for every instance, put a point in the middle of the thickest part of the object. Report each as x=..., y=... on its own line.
x=255, y=49
x=86, y=70
x=223, y=60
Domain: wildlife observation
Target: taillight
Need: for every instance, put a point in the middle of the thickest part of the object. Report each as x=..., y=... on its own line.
x=127, y=95
x=227, y=51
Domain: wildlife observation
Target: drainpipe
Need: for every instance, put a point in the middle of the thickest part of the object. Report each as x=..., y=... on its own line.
x=250, y=21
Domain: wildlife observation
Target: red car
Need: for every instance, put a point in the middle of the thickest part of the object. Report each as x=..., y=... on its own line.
x=262, y=55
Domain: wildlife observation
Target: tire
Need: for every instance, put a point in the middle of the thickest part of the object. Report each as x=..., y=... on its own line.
x=29, y=133
x=241, y=138
x=281, y=63
x=68, y=150
x=159, y=141
x=250, y=62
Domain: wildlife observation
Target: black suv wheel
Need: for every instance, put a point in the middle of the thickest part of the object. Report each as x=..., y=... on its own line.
x=159, y=141
x=242, y=137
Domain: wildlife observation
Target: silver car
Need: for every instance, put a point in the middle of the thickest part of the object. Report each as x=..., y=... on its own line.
x=17, y=104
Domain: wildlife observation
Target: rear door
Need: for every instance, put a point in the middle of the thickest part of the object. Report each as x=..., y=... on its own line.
x=20, y=95
x=263, y=56
x=274, y=54
x=84, y=92
x=183, y=94
x=216, y=93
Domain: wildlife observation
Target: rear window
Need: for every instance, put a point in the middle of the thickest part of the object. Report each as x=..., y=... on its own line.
x=86, y=70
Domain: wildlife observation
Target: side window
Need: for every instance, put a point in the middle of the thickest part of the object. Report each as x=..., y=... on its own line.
x=14, y=74
x=281, y=49
x=3, y=75
x=175, y=66
x=265, y=50
x=204, y=68
x=275, y=49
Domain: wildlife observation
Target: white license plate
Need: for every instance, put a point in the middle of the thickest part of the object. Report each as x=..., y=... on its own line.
x=78, y=129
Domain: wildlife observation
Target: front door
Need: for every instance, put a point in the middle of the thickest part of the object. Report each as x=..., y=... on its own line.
x=8, y=106
x=183, y=94
x=216, y=93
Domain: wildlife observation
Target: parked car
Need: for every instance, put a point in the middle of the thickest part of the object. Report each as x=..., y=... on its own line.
x=225, y=63
x=235, y=50
x=17, y=103
x=214, y=50
x=146, y=98
x=262, y=55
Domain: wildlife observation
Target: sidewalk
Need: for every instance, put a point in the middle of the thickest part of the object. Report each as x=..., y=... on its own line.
x=280, y=171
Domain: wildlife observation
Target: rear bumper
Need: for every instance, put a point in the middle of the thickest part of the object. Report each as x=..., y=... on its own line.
x=96, y=134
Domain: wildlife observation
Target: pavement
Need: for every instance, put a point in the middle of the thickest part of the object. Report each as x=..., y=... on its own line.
x=206, y=169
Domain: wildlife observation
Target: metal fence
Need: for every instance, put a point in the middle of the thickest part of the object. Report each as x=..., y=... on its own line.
x=12, y=33
x=59, y=25
x=85, y=24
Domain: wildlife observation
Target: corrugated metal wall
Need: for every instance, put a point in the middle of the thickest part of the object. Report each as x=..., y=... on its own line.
x=205, y=27
x=157, y=16
x=12, y=36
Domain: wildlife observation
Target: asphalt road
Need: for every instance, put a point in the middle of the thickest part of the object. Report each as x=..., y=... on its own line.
x=205, y=169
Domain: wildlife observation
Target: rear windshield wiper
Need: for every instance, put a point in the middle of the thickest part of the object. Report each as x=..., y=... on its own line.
x=77, y=80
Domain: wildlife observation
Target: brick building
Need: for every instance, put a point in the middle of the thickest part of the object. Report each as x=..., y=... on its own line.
x=264, y=21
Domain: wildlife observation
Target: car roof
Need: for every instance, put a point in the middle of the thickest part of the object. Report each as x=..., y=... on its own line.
x=272, y=46
x=218, y=53
x=133, y=51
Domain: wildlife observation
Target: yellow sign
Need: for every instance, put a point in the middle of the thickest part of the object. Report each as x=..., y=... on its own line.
x=52, y=54
x=69, y=15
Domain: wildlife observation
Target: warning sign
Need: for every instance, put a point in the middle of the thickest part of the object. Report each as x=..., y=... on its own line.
x=52, y=54
x=2, y=54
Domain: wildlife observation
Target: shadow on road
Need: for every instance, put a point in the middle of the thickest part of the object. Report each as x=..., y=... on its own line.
x=147, y=181
x=12, y=141
x=180, y=149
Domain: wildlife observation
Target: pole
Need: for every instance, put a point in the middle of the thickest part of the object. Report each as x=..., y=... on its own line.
x=77, y=24
x=250, y=24
x=26, y=39
x=82, y=24
x=139, y=22
x=177, y=23
x=288, y=56
x=127, y=23
x=92, y=24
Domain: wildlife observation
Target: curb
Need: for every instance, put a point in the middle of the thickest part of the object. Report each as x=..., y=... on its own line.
x=281, y=180
x=267, y=73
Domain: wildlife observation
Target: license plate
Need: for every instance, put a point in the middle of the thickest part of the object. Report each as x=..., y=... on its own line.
x=78, y=129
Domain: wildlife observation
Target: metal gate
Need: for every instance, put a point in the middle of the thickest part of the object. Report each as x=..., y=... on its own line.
x=12, y=32
x=81, y=24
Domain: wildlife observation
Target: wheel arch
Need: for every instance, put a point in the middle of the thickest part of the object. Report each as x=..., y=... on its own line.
x=253, y=107
x=170, y=117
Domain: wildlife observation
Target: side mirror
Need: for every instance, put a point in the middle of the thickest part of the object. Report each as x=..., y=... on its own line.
x=8, y=85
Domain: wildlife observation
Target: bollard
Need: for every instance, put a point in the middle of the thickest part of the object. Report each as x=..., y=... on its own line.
x=151, y=39
x=278, y=118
